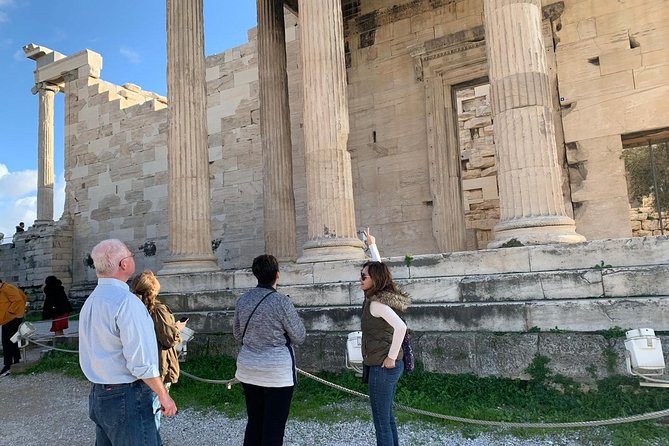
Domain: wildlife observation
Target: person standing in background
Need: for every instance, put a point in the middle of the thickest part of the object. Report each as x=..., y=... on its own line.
x=12, y=309
x=56, y=305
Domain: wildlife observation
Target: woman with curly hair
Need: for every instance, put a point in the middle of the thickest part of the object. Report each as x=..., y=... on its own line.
x=382, y=335
x=147, y=287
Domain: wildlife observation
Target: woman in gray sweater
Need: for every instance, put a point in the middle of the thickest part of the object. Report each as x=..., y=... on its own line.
x=268, y=326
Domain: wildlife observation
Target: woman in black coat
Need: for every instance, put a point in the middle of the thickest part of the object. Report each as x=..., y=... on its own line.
x=56, y=305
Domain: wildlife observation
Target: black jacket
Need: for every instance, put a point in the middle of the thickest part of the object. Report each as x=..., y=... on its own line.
x=55, y=302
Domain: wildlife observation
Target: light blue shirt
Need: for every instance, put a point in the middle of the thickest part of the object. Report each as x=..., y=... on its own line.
x=117, y=342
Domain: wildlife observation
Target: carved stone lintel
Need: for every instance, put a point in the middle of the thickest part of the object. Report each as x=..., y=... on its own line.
x=445, y=46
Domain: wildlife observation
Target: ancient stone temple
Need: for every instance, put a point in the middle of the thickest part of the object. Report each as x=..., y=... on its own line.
x=482, y=141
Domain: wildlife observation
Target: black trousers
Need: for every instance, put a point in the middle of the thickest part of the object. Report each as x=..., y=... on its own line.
x=267, y=410
x=10, y=350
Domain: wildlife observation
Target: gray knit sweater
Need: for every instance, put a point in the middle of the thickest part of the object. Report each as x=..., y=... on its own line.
x=266, y=357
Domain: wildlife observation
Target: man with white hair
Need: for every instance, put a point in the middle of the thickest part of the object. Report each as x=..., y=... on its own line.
x=118, y=353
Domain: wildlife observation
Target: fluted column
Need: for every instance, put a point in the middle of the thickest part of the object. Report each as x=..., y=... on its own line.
x=45, y=176
x=532, y=208
x=189, y=207
x=279, y=199
x=330, y=209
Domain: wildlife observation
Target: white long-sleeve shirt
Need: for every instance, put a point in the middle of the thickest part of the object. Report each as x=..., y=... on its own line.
x=117, y=342
x=388, y=314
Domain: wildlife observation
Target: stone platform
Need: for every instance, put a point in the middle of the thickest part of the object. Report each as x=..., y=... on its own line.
x=487, y=312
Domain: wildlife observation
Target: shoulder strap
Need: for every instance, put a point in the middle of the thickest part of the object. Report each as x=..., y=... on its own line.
x=254, y=310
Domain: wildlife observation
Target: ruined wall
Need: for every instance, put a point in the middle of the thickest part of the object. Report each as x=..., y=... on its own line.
x=35, y=254
x=235, y=154
x=613, y=70
x=478, y=164
x=116, y=170
x=388, y=140
x=235, y=150
x=646, y=220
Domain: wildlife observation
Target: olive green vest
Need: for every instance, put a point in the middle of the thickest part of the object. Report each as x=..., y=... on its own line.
x=377, y=336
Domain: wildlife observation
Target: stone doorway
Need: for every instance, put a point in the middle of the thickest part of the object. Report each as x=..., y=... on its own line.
x=478, y=163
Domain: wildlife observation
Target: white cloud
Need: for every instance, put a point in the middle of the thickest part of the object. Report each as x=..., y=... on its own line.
x=130, y=54
x=4, y=17
x=17, y=184
x=23, y=207
x=15, y=211
x=4, y=3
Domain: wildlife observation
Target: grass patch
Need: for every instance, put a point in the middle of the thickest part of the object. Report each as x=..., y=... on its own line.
x=546, y=398
x=61, y=362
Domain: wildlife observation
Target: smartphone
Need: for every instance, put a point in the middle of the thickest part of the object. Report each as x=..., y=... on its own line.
x=183, y=319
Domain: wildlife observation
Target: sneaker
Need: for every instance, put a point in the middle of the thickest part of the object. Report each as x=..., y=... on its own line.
x=5, y=371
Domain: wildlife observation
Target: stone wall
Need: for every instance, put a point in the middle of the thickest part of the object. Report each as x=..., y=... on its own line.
x=478, y=164
x=487, y=312
x=646, y=222
x=388, y=138
x=36, y=254
x=613, y=71
x=584, y=357
x=235, y=152
x=116, y=170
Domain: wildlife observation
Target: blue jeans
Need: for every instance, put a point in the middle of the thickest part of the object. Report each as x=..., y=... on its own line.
x=123, y=415
x=382, y=384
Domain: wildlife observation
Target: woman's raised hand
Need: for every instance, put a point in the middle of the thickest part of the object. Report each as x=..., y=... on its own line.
x=371, y=240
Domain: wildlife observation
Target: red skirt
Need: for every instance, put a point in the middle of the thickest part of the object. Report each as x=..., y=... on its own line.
x=60, y=322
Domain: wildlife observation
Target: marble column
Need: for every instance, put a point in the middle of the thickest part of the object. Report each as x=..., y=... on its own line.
x=189, y=199
x=330, y=209
x=279, y=199
x=45, y=176
x=532, y=207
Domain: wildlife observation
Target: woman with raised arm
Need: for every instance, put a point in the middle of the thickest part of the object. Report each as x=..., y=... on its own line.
x=382, y=334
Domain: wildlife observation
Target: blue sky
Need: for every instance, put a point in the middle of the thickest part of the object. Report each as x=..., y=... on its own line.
x=131, y=38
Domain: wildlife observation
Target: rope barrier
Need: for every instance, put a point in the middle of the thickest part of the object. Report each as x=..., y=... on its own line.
x=64, y=317
x=226, y=382
x=619, y=420
x=505, y=424
x=52, y=348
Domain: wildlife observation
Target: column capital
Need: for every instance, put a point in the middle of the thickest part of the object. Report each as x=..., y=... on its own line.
x=45, y=86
